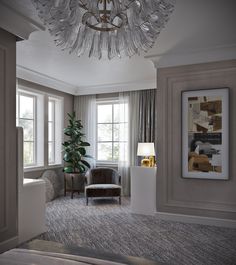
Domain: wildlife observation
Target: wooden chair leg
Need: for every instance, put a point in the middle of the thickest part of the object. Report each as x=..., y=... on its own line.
x=64, y=186
x=120, y=200
x=72, y=187
x=86, y=201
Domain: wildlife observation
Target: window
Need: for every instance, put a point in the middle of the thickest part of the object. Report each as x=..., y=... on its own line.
x=29, y=116
x=54, y=130
x=31, y=110
x=26, y=119
x=51, y=131
x=112, y=131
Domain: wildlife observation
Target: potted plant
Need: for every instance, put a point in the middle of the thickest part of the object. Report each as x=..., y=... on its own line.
x=74, y=149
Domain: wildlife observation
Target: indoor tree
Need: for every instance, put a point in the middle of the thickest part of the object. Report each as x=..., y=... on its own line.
x=74, y=148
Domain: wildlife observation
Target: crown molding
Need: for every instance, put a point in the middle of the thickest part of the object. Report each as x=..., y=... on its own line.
x=193, y=56
x=16, y=23
x=44, y=80
x=116, y=87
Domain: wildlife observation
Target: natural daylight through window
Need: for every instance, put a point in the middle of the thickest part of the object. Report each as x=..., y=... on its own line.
x=112, y=130
x=40, y=115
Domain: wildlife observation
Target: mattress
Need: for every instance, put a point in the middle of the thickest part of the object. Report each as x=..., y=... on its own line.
x=34, y=257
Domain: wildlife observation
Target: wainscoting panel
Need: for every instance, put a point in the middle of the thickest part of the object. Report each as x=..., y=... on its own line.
x=3, y=222
x=8, y=175
x=212, y=198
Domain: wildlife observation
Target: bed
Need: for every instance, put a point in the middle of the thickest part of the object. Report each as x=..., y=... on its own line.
x=40, y=252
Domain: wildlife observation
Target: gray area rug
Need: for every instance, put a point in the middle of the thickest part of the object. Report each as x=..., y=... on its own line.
x=106, y=226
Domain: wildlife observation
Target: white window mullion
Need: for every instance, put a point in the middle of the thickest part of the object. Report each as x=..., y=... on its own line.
x=35, y=131
x=54, y=133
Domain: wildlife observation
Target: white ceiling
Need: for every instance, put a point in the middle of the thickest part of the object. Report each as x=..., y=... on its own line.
x=198, y=31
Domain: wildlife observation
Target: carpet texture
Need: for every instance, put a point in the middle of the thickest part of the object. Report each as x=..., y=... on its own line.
x=106, y=226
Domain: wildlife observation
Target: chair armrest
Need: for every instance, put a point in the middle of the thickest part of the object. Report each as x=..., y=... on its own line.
x=116, y=178
x=87, y=179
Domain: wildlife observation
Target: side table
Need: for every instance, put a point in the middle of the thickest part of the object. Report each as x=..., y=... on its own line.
x=143, y=190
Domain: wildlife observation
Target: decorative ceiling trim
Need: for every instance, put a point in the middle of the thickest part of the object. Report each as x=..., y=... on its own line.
x=116, y=87
x=44, y=80
x=212, y=54
x=16, y=23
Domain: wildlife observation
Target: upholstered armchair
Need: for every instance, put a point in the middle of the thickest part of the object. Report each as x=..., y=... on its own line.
x=102, y=182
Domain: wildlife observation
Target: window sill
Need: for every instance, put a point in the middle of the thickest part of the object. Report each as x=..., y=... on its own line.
x=39, y=168
x=106, y=164
x=55, y=166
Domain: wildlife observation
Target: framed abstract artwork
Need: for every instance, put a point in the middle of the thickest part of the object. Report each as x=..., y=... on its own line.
x=205, y=133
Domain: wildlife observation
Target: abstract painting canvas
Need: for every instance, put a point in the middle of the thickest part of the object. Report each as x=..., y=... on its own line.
x=205, y=139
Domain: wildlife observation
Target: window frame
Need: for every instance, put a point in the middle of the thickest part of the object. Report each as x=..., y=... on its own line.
x=23, y=93
x=42, y=162
x=57, y=138
x=108, y=102
x=53, y=122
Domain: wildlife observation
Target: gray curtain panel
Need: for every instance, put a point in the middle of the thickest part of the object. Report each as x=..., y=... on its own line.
x=147, y=115
x=85, y=110
x=141, y=128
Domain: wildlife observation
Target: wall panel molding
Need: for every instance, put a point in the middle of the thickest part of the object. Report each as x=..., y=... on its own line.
x=191, y=196
x=3, y=188
x=193, y=219
x=8, y=176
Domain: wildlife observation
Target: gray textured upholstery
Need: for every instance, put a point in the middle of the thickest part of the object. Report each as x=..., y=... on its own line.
x=102, y=175
x=52, y=185
x=102, y=182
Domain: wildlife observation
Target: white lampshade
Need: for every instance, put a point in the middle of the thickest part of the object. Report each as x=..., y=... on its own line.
x=146, y=149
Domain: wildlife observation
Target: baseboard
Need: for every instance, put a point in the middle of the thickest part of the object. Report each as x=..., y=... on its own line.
x=8, y=244
x=196, y=219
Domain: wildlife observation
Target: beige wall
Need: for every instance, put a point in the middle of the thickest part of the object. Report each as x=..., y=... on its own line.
x=68, y=108
x=212, y=198
x=8, y=176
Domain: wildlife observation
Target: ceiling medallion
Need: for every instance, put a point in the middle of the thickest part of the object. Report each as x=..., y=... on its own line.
x=114, y=28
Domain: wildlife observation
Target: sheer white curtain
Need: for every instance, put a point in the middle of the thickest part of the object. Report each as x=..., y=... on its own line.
x=85, y=110
x=128, y=136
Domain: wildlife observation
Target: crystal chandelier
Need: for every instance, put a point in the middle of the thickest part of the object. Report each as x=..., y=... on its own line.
x=105, y=27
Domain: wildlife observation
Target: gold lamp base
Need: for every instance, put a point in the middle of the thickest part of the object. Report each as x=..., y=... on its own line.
x=148, y=162
x=152, y=161
x=145, y=162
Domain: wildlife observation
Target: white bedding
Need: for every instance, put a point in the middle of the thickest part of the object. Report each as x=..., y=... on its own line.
x=33, y=257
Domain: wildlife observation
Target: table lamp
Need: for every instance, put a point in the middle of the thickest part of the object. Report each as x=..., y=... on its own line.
x=148, y=151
